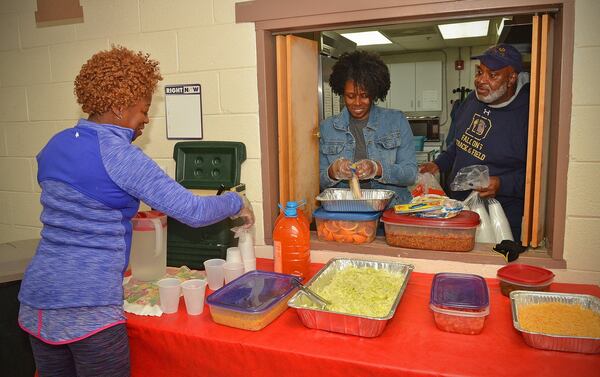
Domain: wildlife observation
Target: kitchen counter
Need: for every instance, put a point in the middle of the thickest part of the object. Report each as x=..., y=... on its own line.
x=14, y=258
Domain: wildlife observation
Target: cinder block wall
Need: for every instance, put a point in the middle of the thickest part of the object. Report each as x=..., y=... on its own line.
x=196, y=41
x=582, y=233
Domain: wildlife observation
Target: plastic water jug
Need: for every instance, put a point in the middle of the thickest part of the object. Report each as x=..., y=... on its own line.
x=148, y=258
x=291, y=243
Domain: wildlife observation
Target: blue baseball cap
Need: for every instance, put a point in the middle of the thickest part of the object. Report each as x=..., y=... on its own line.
x=500, y=56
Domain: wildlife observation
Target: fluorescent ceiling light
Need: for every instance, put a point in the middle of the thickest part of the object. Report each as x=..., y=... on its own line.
x=464, y=29
x=367, y=38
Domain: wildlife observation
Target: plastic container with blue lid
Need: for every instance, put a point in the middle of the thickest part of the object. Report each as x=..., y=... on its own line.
x=460, y=302
x=346, y=227
x=253, y=300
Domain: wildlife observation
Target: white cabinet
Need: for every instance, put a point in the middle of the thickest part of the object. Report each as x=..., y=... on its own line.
x=415, y=86
x=402, y=91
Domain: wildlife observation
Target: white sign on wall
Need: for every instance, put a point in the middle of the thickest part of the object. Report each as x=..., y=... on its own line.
x=183, y=107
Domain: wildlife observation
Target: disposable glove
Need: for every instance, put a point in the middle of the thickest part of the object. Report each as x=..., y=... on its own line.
x=340, y=169
x=366, y=169
x=246, y=213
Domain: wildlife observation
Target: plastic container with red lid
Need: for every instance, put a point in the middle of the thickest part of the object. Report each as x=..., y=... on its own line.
x=450, y=234
x=517, y=276
x=460, y=302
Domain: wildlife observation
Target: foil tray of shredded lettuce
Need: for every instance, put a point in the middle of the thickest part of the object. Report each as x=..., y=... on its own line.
x=362, y=291
x=361, y=288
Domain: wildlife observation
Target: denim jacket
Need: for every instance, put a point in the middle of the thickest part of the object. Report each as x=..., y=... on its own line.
x=388, y=139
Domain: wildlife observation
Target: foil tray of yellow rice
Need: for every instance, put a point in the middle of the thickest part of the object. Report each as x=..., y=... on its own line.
x=364, y=295
x=557, y=321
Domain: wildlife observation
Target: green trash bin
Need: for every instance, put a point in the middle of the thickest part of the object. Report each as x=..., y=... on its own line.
x=204, y=165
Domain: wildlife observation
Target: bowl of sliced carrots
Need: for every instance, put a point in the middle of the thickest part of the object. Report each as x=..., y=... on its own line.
x=346, y=227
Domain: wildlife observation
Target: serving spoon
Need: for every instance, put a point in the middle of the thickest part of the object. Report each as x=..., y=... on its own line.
x=312, y=295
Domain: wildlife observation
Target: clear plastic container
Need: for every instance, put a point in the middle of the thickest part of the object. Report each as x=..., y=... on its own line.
x=252, y=301
x=346, y=227
x=460, y=302
x=453, y=234
x=524, y=277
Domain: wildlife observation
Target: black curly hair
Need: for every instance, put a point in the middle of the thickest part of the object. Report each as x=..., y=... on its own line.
x=366, y=69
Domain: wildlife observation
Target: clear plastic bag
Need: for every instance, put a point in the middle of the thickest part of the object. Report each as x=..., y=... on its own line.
x=470, y=200
x=485, y=231
x=471, y=177
x=432, y=206
x=426, y=184
x=499, y=221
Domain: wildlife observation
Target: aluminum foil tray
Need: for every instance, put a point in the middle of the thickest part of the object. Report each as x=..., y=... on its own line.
x=344, y=323
x=555, y=342
x=341, y=200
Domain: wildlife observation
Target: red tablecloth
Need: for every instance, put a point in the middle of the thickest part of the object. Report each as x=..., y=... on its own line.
x=410, y=345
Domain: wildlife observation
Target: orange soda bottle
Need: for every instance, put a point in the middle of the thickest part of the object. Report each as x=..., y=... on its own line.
x=291, y=243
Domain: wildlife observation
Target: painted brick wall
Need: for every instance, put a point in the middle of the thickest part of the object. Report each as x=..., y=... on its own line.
x=582, y=234
x=196, y=41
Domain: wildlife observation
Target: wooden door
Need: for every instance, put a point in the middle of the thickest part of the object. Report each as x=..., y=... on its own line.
x=542, y=139
x=538, y=136
x=298, y=125
x=531, y=134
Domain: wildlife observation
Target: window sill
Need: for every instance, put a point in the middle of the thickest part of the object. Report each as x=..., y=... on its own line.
x=481, y=254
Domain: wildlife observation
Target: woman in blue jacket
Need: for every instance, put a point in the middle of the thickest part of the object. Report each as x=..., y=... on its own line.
x=377, y=139
x=92, y=179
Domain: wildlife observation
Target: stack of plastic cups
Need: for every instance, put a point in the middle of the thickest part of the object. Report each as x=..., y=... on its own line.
x=246, y=246
x=234, y=266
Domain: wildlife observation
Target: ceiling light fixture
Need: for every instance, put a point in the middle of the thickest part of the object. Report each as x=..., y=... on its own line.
x=367, y=38
x=464, y=29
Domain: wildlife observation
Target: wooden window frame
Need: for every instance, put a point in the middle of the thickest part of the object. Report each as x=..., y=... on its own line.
x=275, y=16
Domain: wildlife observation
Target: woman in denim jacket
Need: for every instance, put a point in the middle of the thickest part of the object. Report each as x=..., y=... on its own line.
x=378, y=140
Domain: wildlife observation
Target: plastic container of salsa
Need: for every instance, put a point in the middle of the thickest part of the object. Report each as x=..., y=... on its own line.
x=450, y=234
x=524, y=277
x=460, y=302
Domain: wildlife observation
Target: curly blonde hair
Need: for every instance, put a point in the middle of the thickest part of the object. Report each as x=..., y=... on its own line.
x=118, y=78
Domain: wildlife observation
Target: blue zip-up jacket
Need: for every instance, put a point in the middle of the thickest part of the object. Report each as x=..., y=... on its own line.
x=496, y=137
x=388, y=139
x=92, y=179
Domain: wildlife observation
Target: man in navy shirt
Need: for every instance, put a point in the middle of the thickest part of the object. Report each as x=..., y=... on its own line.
x=491, y=129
